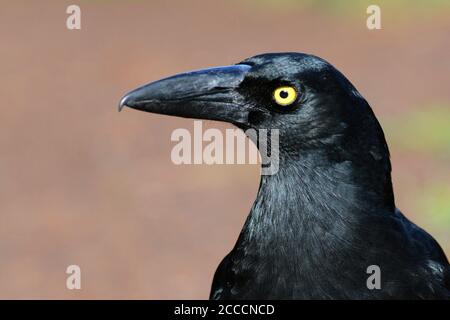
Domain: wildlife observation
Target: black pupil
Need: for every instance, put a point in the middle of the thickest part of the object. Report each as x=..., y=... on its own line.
x=284, y=94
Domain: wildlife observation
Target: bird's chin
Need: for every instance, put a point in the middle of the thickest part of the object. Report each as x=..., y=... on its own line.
x=243, y=126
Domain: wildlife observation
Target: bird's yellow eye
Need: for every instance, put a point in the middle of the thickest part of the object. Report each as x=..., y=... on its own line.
x=285, y=95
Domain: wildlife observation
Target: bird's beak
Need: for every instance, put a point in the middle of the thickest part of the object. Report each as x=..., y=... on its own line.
x=203, y=94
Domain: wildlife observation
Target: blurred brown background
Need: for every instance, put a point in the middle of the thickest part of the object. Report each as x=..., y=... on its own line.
x=82, y=184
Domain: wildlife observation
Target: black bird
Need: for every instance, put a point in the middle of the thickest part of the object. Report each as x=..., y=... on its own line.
x=328, y=214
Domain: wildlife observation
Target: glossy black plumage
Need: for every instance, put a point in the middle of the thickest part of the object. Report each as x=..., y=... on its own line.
x=329, y=212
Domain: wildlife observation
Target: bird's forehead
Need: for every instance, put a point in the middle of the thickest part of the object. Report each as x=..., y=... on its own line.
x=285, y=65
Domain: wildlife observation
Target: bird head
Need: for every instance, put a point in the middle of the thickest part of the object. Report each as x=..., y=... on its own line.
x=314, y=107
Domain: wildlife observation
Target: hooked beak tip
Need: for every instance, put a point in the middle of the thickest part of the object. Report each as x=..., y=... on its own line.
x=123, y=103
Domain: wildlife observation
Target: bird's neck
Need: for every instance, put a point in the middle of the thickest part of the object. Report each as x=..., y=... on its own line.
x=313, y=197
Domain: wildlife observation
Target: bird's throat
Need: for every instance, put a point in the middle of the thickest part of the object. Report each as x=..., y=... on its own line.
x=311, y=198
